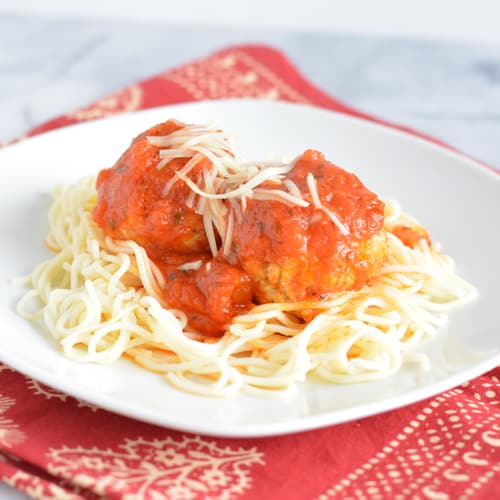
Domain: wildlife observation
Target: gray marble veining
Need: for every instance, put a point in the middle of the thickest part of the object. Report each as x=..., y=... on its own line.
x=450, y=90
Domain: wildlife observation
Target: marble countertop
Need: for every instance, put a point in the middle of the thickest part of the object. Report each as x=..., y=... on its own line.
x=449, y=90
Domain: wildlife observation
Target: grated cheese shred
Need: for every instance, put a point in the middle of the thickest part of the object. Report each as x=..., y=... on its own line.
x=190, y=266
x=313, y=189
x=228, y=178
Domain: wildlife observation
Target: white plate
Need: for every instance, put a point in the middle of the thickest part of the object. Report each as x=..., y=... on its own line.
x=457, y=199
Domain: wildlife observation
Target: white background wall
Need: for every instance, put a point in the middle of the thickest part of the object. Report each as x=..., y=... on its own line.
x=476, y=20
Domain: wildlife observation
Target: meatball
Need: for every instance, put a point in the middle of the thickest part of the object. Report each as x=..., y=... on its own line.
x=296, y=253
x=210, y=293
x=131, y=205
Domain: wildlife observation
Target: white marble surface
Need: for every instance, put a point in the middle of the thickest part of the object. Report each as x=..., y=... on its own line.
x=432, y=19
x=449, y=90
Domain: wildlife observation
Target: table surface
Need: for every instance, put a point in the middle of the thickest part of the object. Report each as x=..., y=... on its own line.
x=449, y=90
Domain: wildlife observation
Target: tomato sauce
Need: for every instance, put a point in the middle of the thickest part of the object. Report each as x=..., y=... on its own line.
x=210, y=295
x=410, y=236
x=131, y=205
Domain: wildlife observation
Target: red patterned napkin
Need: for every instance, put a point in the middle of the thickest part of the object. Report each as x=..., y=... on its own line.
x=53, y=446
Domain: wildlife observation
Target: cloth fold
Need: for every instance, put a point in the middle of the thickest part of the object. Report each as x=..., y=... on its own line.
x=54, y=446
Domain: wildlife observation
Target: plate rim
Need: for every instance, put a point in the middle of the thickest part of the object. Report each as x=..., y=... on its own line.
x=489, y=170
x=299, y=424
x=304, y=424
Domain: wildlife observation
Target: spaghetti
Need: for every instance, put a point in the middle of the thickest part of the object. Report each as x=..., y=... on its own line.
x=103, y=298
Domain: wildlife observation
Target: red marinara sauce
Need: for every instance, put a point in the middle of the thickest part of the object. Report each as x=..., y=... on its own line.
x=411, y=235
x=131, y=204
x=210, y=295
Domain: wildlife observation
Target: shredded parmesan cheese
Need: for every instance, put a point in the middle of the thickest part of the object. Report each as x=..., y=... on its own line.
x=190, y=266
x=313, y=189
x=278, y=195
x=226, y=178
x=229, y=178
